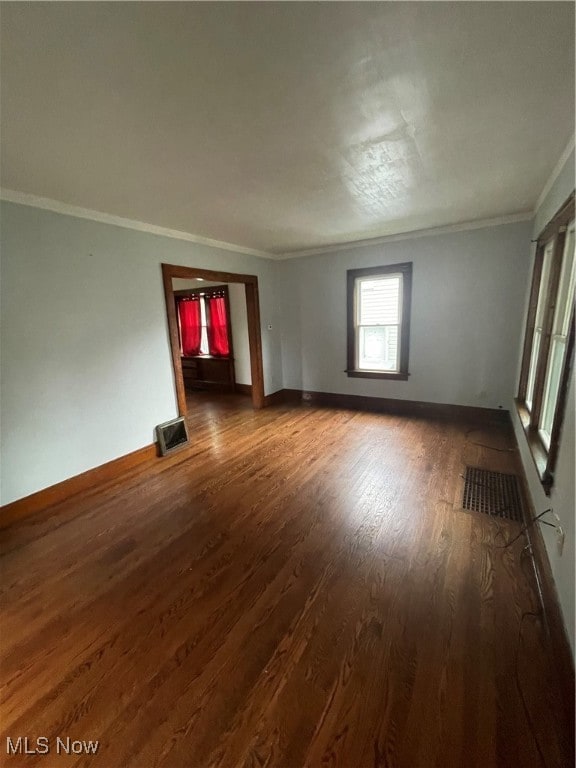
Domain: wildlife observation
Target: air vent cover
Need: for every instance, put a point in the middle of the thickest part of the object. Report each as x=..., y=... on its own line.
x=492, y=493
x=172, y=435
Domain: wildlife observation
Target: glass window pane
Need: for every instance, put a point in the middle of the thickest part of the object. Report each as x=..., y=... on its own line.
x=532, y=369
x=544, y=281
x=552, y=388
x=378, y=348
x=379, y=300
x=540, y=313
x=566, y=288
x=562, y=314
x=204, y=348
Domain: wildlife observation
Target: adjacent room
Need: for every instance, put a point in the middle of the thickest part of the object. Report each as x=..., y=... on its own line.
x=213, y=338
x=287, y=393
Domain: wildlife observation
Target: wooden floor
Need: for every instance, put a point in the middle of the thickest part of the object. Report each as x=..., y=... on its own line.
x=298, y=589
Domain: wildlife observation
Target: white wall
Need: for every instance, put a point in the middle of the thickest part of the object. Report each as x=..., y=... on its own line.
x=467, y=302
x=85, y=358
x=563, y=497
x=238, y=324
x=239, y=321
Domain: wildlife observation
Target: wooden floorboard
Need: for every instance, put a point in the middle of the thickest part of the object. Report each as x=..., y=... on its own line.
x=298, y=588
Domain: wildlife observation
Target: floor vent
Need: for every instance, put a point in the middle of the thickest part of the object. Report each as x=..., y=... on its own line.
x=492, y=493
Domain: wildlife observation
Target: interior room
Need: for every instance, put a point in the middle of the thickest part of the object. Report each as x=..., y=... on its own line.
x=214, y=362
x=287, y=387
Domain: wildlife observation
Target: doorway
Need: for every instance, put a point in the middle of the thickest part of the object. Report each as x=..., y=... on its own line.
x=250, y=282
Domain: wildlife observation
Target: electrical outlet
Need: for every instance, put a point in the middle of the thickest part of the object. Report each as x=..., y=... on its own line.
x=560, y=539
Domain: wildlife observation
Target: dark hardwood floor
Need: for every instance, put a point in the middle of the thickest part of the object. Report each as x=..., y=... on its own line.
x=299, y=588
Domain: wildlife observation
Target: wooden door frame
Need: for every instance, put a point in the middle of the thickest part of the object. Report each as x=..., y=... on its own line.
x=250, y=282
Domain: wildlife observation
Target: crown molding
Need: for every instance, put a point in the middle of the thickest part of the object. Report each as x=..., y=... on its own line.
x=34, y=201
x=22, y=198
x=417, y=233
x=556, y=172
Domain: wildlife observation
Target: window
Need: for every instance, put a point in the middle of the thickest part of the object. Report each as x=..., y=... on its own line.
x=203, y=322
x=204, y=349
x=379, y=321
x=549, y=341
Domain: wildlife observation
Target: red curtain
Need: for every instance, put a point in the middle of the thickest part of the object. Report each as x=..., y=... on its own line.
x=190, y=327
x=218, y=343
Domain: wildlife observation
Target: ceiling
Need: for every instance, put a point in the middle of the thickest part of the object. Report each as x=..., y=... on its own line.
x=287, y=126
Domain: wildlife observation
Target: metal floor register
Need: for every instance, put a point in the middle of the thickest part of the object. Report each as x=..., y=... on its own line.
x=492, y=493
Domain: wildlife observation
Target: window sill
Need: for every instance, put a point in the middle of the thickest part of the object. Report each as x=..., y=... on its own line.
x=400, y=376
x=205, y=357
x=537, y=450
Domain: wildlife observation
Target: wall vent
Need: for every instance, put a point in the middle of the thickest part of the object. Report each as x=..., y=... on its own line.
x=172, y=435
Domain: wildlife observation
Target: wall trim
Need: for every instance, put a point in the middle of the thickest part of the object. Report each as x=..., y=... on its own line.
x=412, y=235
x=46, y=203
x=405, y=407
x=283, y=397
x=92, y=478
x=555, y=173
x=387, y=405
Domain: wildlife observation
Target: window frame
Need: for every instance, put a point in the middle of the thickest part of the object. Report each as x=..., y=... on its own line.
x=545, y=457
x=352, y=275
